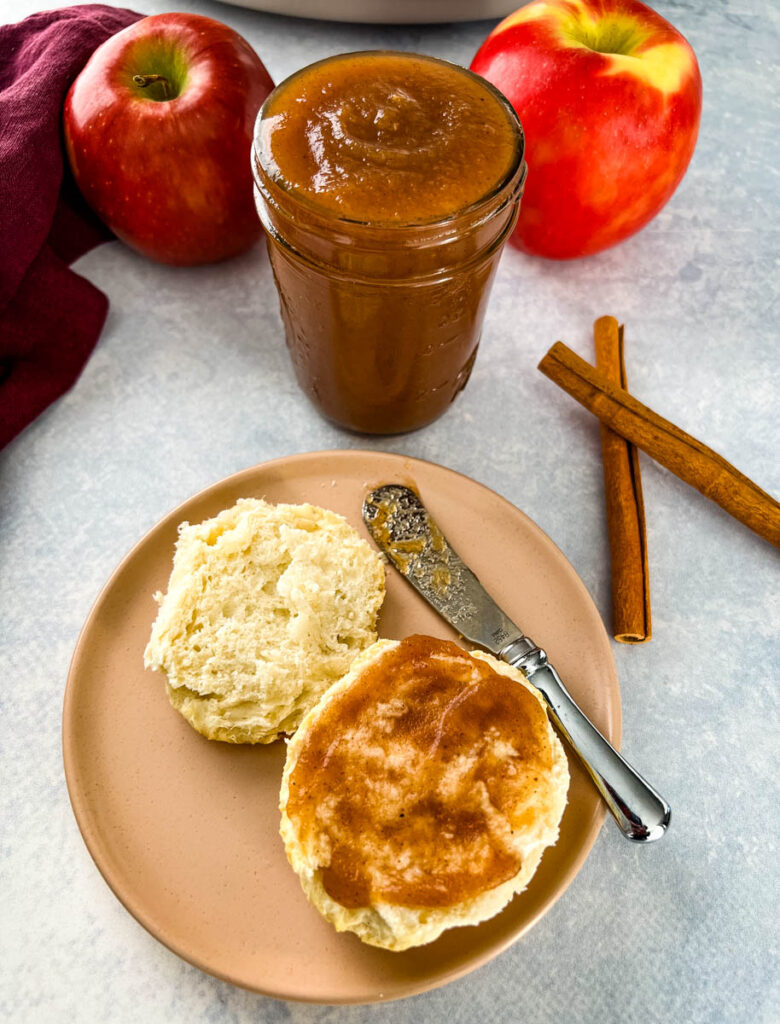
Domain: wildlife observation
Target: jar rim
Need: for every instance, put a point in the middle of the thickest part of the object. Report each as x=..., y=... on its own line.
x=261, y=157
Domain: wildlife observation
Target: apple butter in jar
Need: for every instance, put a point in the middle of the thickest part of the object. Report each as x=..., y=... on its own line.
x=387, y=184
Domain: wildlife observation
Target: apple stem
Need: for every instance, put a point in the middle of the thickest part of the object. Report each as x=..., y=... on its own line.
x=142, y=81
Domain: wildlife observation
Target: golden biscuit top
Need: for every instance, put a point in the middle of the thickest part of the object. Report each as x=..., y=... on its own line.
x=415, y=785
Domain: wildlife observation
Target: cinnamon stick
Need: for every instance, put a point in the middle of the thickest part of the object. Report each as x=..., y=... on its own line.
x=686, y=457
x=625, y=507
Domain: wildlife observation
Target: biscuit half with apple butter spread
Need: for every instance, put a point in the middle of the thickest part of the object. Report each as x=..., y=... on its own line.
x=421, y=791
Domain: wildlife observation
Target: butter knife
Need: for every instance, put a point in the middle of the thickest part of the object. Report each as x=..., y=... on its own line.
x=402, y=527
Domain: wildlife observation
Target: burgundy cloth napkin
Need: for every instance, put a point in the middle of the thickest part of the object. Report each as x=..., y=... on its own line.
x=50, y=317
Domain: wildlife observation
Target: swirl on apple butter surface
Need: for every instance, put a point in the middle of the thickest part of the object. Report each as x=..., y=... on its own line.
x=383, y=137
x=416, y=786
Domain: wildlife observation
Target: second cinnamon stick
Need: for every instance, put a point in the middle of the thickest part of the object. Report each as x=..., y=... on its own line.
x=631, y=622
x=687, y=458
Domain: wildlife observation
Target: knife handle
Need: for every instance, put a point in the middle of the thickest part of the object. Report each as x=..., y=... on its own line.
x=642, y=815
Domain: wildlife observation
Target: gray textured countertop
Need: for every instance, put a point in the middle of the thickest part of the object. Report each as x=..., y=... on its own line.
x=191, y=381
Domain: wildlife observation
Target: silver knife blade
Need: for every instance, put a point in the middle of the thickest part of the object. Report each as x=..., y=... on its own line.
x=402, y=527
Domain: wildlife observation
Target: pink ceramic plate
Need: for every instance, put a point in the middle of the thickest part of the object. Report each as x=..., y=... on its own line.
x=185, y=831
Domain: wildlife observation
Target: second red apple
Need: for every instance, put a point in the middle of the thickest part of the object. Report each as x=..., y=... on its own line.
x=609, y=96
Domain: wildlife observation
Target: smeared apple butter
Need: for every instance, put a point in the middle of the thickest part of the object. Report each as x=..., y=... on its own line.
x=387, y=183
x=417, y=778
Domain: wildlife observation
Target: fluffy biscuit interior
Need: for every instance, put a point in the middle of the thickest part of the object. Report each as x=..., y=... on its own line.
x=267, y=605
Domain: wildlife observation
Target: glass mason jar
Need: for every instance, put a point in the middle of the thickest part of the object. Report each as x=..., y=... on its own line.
x=383, y=320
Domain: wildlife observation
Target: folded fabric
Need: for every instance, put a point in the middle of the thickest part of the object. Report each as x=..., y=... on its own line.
x=50, y=317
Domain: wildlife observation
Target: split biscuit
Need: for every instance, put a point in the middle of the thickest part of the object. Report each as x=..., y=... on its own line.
x=267, y=606
x=421, y=792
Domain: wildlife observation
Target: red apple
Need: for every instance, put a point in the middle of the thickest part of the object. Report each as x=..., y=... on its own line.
x=609, y=95
x=158, y=129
